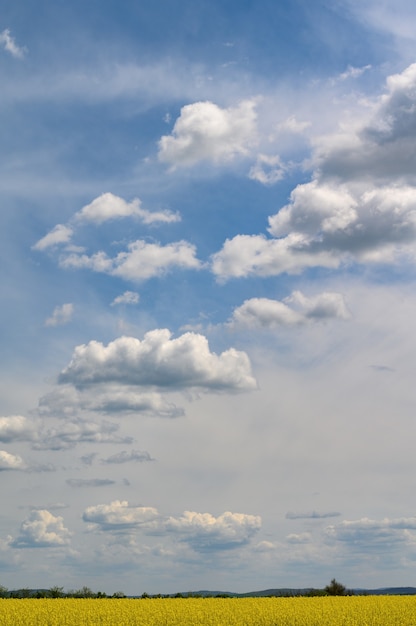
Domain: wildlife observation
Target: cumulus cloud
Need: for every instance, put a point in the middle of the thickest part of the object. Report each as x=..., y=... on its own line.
x=141, y=261
x=10, y=461
x=268, y=314
x=204, y=532
x=9, y=44
x=206, y=132
x=365, y=534
x=61, y=315
x=60, y=234
x=16, y=428
x=109, y=207
x=135, y=456
x=159, y=361
x=42, y=530
x=359, y=206
x=128, y=297
x=119, y=516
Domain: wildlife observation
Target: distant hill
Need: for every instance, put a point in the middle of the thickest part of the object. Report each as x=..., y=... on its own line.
x=287, y=591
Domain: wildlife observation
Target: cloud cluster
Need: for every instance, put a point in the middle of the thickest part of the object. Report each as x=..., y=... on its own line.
x=201, y=531
x=360, y=205
x=206, y=132
x=42, y=530
x=140, y=262
x=295, y=310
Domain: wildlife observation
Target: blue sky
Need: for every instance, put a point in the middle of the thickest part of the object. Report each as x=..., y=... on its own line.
x=208, y=249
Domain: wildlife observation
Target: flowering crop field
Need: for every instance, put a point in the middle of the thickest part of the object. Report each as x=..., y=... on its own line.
x=317, y=611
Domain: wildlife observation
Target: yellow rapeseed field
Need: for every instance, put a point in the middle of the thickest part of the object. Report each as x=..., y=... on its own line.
x=317, y=611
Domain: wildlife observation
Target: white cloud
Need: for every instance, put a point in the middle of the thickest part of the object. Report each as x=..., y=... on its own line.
x=268, y=169
x=42, y=530
x=159, y=361
x=292, y=125
x=142, y=261
x=10, y=461
x=204, y=131
x=61, y=315
x=353, y=72
x=119, y=516
x=16, y=428
x=366, y=532
x=9, y=44
x=204, y=532
x=264, y=313
x=66, y=401
x=128, y=297
x=255, y=255
x=109, y=207
x=60, y=234
x=360, y=205
x=267, y=313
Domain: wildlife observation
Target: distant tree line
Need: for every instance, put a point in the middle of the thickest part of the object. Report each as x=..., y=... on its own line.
x=333, y=589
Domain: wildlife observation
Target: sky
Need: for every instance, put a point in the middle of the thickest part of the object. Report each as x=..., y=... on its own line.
x=208, y=329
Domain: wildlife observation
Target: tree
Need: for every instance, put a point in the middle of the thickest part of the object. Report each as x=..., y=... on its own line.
x=56, y=592
x=335, y=589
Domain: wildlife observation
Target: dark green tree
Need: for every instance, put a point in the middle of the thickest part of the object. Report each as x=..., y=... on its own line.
x=335, y=588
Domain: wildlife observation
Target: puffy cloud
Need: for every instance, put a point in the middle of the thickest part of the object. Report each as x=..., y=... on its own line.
x=42, y=530
x=61, y=315
x=60, y=234
x=142, y=260
x=128, y=297
x=269, y=314
x=10, y=461
x=360, y=205
x=264, y=313
x=16, y=428
x=160, y=361
x=9, y=44
x=109, y=207
x=204, y=131
x=204, y=532
x=135, y=456
x=255, y=255
x=120, y=516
